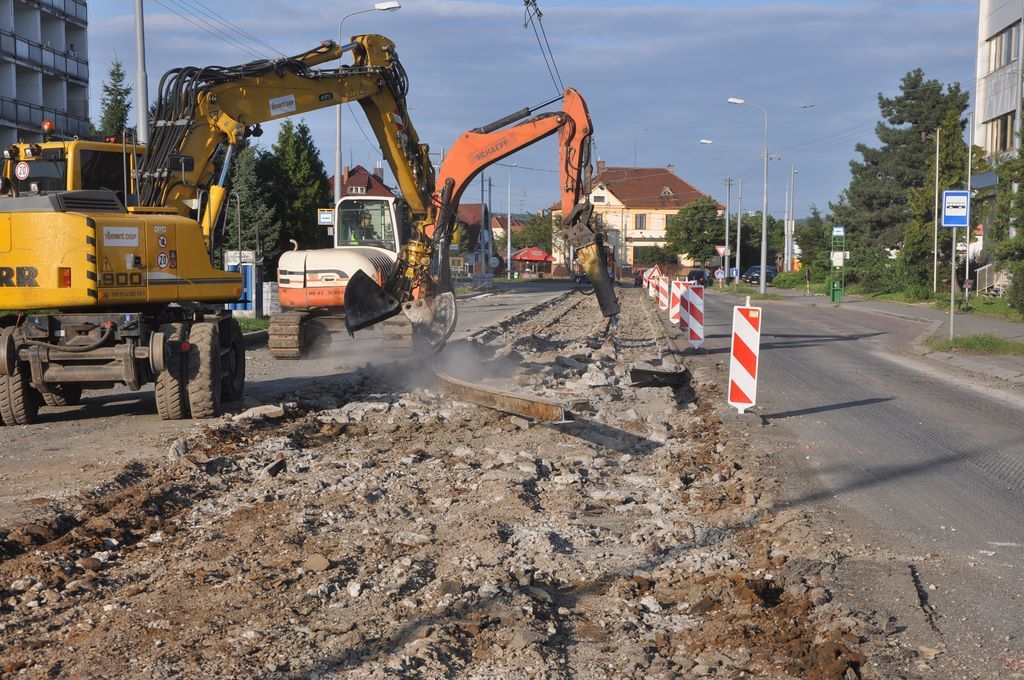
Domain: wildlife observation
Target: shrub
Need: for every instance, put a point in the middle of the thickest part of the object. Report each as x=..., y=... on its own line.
x=789, y=280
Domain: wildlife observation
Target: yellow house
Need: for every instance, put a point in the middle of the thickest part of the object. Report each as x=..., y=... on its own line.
x=632, y=207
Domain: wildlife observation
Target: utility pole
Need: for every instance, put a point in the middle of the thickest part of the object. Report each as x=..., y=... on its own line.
x=141, y=82
x=739, y=227
x=790, y=231
x=935, y=228
x=970, y=162
x=728, y=206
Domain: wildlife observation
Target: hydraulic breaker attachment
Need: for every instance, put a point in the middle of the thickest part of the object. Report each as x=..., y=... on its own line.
x=591, y=254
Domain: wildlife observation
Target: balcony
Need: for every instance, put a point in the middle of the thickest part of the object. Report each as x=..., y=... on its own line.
x=43, y=57
x=72, y=9
x=29, y=117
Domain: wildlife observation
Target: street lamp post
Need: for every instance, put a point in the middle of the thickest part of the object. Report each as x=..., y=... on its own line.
x=389, y=6
x=764, y=196
x=508, y=225
x=728, y=198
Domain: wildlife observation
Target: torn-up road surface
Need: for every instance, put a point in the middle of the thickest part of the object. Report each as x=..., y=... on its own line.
x=376, y=527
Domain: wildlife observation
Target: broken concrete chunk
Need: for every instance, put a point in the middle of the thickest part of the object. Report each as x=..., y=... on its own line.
x=268, y=412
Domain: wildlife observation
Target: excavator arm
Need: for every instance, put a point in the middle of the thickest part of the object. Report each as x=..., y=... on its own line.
x=200, y=110
x=412, y=288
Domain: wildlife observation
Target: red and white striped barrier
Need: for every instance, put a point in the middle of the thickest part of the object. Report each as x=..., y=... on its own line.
x=663, y=286
x=746, y=345
x=675, y=298
x=696, y=297
x=679, y=304
x=647, y=277
x=652, y=286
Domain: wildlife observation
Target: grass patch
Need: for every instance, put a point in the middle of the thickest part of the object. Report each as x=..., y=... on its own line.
x=249, y=324
x=752, y=291
x=977, y=344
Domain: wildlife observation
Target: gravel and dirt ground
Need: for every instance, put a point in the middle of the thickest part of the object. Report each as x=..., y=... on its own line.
x=373, y=526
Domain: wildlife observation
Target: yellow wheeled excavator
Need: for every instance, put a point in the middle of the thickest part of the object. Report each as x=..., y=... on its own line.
x=107, y=283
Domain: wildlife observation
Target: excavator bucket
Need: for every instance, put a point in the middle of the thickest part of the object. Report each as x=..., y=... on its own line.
x=366, y=303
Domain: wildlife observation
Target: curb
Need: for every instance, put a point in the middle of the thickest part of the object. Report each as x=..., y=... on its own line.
x=254, y=338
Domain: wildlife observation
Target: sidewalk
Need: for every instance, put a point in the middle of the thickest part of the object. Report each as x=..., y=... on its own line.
x=1009, y=368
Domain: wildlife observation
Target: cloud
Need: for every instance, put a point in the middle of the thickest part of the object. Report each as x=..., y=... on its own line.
x=655, y=74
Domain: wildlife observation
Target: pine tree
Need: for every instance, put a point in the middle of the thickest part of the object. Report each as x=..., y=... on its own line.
x=115, y=102
x=814, y=238
x=874, y=207
x=250, y=174
x=298, y=182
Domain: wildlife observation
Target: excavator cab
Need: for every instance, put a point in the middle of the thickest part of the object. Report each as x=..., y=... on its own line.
x=374, y=222
x=47, y=167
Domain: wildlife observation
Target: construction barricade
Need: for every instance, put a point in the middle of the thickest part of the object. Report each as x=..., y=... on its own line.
x=696, y=299
x=743, y=357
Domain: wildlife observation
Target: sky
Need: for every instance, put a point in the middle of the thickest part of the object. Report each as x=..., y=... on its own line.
x=656, y=75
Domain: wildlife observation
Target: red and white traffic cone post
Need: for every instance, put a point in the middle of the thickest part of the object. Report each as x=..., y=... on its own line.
x=696, y=299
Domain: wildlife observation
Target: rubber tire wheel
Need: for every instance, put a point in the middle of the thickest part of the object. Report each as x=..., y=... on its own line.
x=171, y=401
x=233, y=383
x=204, y=377
x=63, y=394
x=19, y=401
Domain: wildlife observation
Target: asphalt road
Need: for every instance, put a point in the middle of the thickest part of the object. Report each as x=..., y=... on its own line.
x=926, y=462
x=74, y=447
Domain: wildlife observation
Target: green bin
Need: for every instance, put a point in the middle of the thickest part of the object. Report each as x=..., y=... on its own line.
x=837, y=291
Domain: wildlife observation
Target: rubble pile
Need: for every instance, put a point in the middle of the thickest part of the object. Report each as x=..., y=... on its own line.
x=370, y=526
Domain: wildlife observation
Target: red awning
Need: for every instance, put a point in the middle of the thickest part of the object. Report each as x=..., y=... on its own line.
x=533, y=254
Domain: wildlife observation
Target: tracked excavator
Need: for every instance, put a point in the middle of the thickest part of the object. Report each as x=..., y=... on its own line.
x=110, y=283
x=421, y=290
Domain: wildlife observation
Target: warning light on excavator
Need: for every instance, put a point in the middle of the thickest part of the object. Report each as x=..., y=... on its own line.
x=47, y=126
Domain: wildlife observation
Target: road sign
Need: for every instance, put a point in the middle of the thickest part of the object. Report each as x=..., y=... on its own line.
x=956, y=209
x=839, y=231
x=733, y=272
x=721, y=250
x=746, y=345
x=325, y=217
x=719, y=274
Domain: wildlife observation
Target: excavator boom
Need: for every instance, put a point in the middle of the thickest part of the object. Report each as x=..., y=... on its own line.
x=412, y=286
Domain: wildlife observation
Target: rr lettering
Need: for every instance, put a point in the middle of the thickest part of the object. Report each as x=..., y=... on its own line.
x=18, y=277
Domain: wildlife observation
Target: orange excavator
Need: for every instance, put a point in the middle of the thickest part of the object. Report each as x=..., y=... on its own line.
x=422, y=292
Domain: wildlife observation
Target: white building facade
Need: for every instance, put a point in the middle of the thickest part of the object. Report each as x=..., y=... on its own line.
x=44, y=69
x=998, y=93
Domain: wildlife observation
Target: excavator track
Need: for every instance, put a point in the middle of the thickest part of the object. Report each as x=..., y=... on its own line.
x=293, y=334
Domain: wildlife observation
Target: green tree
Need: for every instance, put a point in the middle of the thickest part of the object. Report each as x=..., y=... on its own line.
x=1009, y=253
x=813, y=235
x=536, y=231
x=750, y=241
x=250, y=176
x=695, y=230
x=298, y=185
x=115, y=102
x=875, y=208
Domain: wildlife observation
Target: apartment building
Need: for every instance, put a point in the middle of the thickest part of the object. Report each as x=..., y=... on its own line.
x=998, y=92
x=44, y=69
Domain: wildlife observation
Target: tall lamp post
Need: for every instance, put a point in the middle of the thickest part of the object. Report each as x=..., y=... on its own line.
x=508, y=225
x=728, y=198
x=764, y=196
x=389, y=6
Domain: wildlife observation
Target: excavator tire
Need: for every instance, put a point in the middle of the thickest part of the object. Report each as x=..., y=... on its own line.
x=232, y=347
x=19, y=401
x=63, y=394
x=171, y=402
x=204, y=377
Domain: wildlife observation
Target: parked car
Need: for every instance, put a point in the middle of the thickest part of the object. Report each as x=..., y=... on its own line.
x=699, y=276
x=753, y=275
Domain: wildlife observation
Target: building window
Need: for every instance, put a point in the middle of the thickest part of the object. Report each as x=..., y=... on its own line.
x=357, y=190
x=598, y=198
x=999, y=133
x=640, y=222
x=1004, y=47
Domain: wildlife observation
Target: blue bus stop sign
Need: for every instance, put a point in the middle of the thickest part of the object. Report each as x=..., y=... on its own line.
x=956, y=209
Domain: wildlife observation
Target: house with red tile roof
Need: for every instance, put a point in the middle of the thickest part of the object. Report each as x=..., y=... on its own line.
x=632, y=207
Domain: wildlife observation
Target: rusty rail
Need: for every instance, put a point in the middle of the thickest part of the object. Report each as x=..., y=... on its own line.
x=537, y=408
